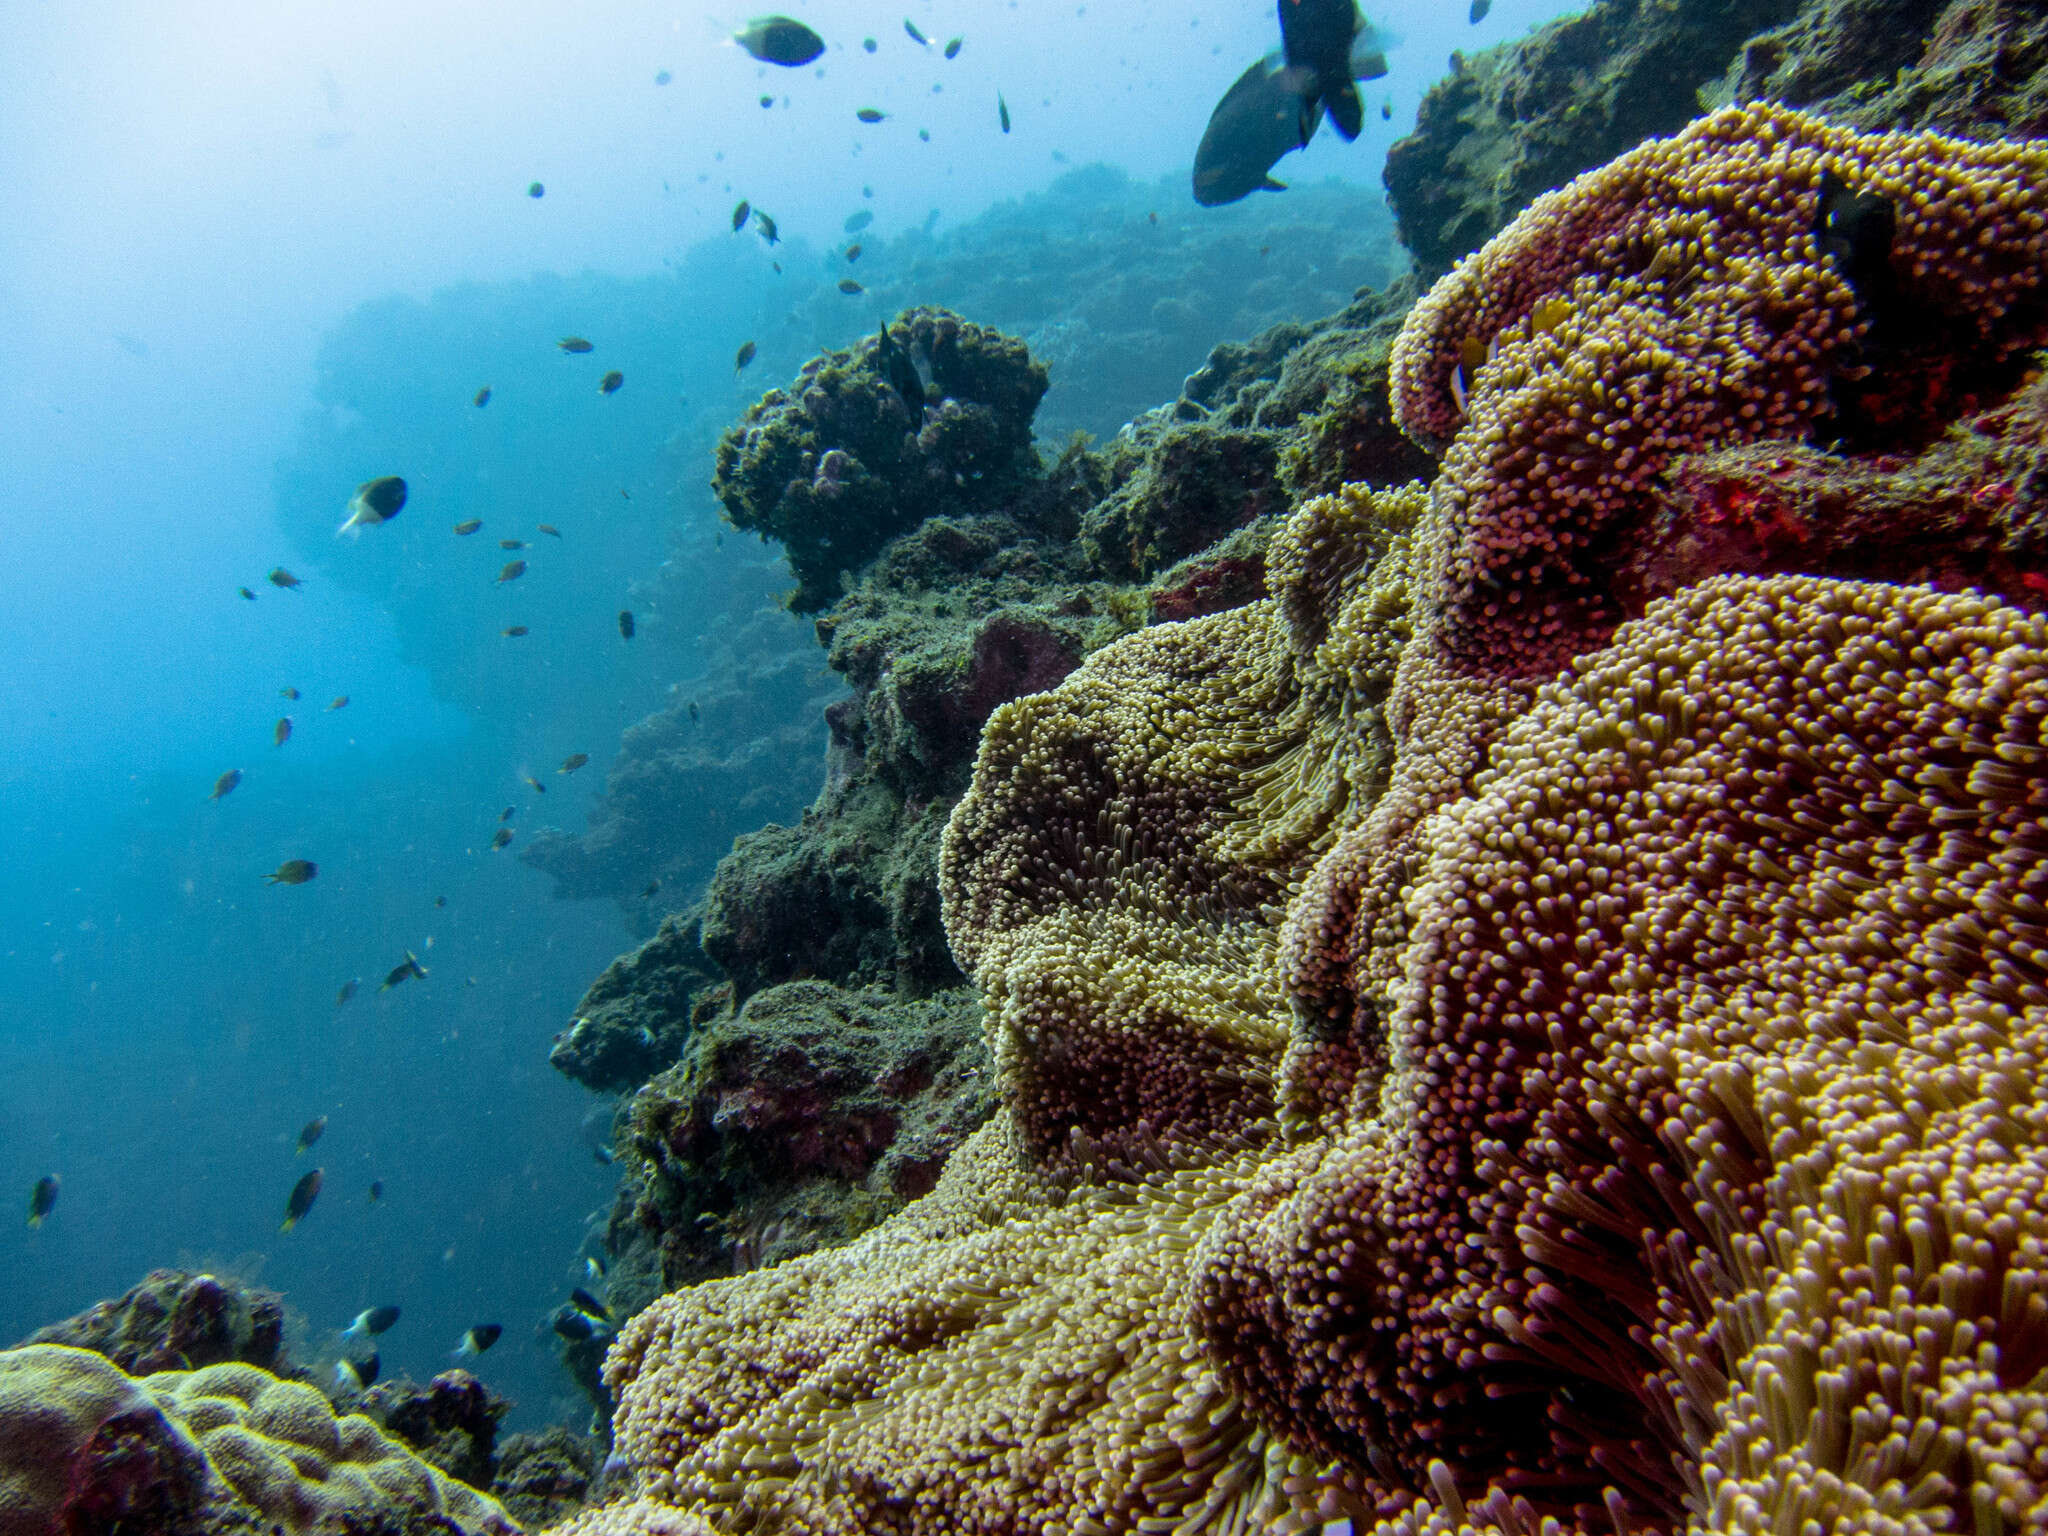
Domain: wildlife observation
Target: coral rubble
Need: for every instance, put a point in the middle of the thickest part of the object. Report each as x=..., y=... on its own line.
x=1518, y=1023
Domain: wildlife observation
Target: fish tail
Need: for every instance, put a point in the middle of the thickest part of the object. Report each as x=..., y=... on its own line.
x=353, y=528
x=288, y=1223
x=35, y=1221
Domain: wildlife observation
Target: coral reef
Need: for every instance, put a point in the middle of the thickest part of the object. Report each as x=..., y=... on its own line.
x=543, y=1478
x=1483, y=1041
x=451, y=1423
x=87, y=1450
x=179, y=1320
x=932, y=416
x=637, y=1016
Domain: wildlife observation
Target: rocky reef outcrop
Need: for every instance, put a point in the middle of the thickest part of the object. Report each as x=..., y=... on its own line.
x=180, y=1320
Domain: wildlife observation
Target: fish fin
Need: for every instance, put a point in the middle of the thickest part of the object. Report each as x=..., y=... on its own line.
x=1268, y=184
x=1347, y=112
x=288, y=1223
x=353, y=528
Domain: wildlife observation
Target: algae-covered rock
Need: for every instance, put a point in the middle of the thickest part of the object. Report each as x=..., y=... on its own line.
x=801, y=1121
x=543, y=1477
x=178, y=1320
x=930, y=417
x=636, y=1017
x=450, y=1423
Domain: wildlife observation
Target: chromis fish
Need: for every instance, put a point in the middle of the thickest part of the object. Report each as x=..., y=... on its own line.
x=288, y=693
x=292, y=872
x=574, y=344
x=43, y=1199
x=852, y=252
x=739, y=215
x=549, y=529
x=354, y=1376
x=514, y=569
x=780, y=40
x=916, y=36
x=514, y=632
x=339, y=701
x=766, y=226
x=589, y=1305
x=468, y=526
x=477, y=1340
x=376, y=1191
x=408, y=967
x=534, y=784
x=1478, y=12
x=626, y=625
x=593, y=1266
x=304, y=1193
x=309, y=1133
x=280, y=577
x=225, y=784
x=870, y=114
x=348, y=990
x=535, y=189
x=511, y=543
x=858, y=220
x=251, y=596
x=500, y=838
x=483, y=397
x=1002, y=112
x=375, y=501
x=953, y=47
x=575, y=1326
x=573, y=761
x=282, y=731
x=848, y=285
x=744, y=356
x=370, y=1322
x=609, y=384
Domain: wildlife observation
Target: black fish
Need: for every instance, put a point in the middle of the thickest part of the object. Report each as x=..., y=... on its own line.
x=478, y=1339
x=903, y=377
x=780, y=40
x=1478, y=11
x=589, y=1305
x=744, y=356
x=767, y=227
x=370, y=1322
x=1854, y=230
x=1002, y=111
x=352, y=1376
x=312, y=1131
x=483, y=397
x=870, y=114
x=1316, y=37
x=376, y=501
x=625, y=623
x=573, y=1325
x=1258, y=120
x=304, y=1193
x=42, y=1199
x=916, y=36
x=739, y=215
x=609, y=385
x=376, y=1190
x=848, y=285
x=953, y=48
x=535, y=189
x=408, y=967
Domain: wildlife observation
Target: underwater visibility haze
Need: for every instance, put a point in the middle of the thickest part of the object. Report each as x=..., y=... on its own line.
x=1045, y=748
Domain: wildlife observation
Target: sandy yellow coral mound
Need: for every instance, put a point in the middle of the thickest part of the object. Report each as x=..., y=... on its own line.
x=1160, y=807
x=86, y=1448
x=1712, y=1168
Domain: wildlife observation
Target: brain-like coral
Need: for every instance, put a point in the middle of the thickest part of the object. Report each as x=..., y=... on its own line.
x=1652, y=989
x=931, y=416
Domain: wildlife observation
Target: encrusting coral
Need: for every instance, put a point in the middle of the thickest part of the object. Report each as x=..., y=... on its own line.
x=1651, y=991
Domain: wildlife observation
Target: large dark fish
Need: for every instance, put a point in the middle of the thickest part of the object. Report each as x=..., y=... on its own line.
x=1259, y=119
x=304, y=1193
x=1316, y=38
x=375, y=501
x=780, y=40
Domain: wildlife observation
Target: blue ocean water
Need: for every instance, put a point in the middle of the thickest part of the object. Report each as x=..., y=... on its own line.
x=256, y=255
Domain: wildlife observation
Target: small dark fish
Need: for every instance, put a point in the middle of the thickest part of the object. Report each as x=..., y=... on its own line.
x=744, y=356
x=369, y=1323
x=282, y=731
x=225, y=784
x=780, y=40
x=483, y=397
x=593, y=1266
x=280, y=577
x=766, y=225
x=662, y=77
x=408, y=967
x=740, y=212
x=511, y=543
x=535, y=189
x=925, y=134
x=953, y=47
x=858, y=220
x=515, y=632
x=289, y=693
x=348, y=990
x=1479, y=10
x=1386, y=111
x=500, y=838
x=916, y=36
x=549, y=529
x=42, y=1199
x=853, y=251
x=477, y=1340
x=354, y=1376
x=652, y=887
x=466, y=528
x=868, y=43
x=609, y=384
x=375, y=501
x=574, y=1326
x=251, y=596
x=848, y=285
x=505, y=814
x=693, y=711
x=514, y=569
x=292, y=872
x=574, y=344
x=534, y=784
x=376, y=1190
x=440, y=901
x=310, y=1132
x=589, y=1305
x=339, y=701
x=870, y=115
x=573, y=761
x=1855, y=231
x=767, y=102
x=901, y=373
x=304, y=1193
x=605, y=1156
x=626, y=625
x=1002, y=112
